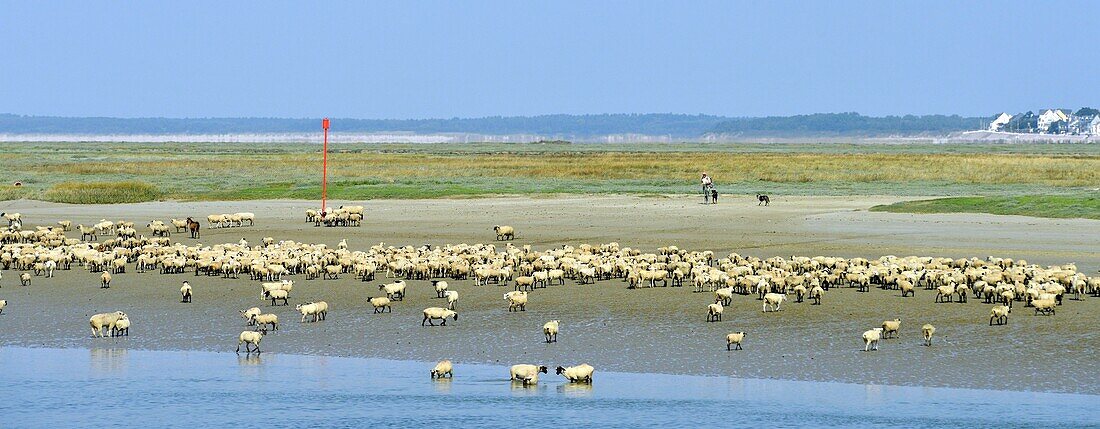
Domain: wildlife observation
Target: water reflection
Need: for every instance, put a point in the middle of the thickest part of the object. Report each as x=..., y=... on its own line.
x=103, y=361
x=577, y=390
x=442, y=385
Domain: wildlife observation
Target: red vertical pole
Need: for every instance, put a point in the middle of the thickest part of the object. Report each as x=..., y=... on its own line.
x=324, y=166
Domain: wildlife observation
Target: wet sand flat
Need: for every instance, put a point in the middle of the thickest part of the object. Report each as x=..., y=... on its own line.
x=648, y=330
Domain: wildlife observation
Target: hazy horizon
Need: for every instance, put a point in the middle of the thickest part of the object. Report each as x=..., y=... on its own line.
x=424, y=60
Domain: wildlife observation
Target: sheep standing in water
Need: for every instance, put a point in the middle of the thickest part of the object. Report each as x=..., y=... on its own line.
x=443, y=369
x=927, y=331
x=550, y=330
x=251, y=341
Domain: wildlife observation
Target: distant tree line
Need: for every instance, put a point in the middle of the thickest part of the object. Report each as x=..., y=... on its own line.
x=556, y=126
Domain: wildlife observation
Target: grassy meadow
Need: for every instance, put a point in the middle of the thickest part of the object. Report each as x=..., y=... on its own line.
x=129, y=172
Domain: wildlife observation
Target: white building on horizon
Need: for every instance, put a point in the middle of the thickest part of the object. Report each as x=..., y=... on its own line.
x=1049, y=117
x=1000, y=121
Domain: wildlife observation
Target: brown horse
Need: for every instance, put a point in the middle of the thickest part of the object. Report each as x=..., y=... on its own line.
x=193, y=227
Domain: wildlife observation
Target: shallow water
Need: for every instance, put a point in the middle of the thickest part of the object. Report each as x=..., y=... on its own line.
x=132, y=388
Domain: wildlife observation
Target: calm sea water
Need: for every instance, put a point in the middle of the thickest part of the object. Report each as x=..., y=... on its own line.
x=70, y=388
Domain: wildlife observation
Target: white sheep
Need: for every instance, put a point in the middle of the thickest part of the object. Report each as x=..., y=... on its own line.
x=452, y=298
x=734, y=339
x=927, y=331
x=434, y=313
x=243, y=216
x=186, y=291
x=816, y=293
x=317, y=309
x=104, y=320
x=945, y=293
x=443, y=369
x=263, y=321
x=394, y=291
x=440, y=288
x=714, y=312
x=891, y=327
x=1045, y=306
x=105, y=280
x=280, y=294
x=999, y=314
x=121, y=327
x=250, y=338
x=3, y=303
x=550, y=330
x=517, y=301
x=871, y=338
x=381, y=304
x=247, y=314
x=25, y=279
x=774, y=300
x=577, y=374
x=526, y=373
x=723, y=296
x=504, y=232
x=266, y=288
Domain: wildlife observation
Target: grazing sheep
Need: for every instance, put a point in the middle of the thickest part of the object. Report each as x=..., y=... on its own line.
x=433, y=313
x=1044, y=306
x=247, y=315
x=891, y=327
x=25, y=279
x=871, y=338
x=734, y=339
x=394, y=291
x=121, y=327
x=104, y=320
x=318, y=310
x=517, y=301
x=714, y=312
x=774, y=300
x=550, y=330
x=381, y=304
x=264, y=321
x=250, y=338
x=452, y=298
x=577, y=374
x=999, y=314
x=526, y=373
x=440, y=288
x=504, y=232
x=186, y=290
x=927, y=331
x=906, y=288
x=442, y=369
x=723, y=296
x=525, y=283
x=3, y=303
x=284, y=285
x=280, y=294
x=816, y=293
x=945, y=293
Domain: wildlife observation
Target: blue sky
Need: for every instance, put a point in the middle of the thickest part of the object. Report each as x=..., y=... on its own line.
x=410, y=59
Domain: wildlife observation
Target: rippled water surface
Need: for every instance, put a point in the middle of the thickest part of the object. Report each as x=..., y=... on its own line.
x=128, y=388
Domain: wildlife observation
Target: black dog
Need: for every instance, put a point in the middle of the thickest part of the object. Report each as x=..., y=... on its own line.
x=714, y=196
x=763, y=199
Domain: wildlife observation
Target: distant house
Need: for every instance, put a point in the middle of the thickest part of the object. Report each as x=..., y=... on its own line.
x=1000, y=121
x=1094, y=126
x=1049, y=117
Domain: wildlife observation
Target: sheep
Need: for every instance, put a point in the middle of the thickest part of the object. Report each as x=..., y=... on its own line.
x=999, y=314
x=381, y=304
x=264, y=321
x=442, y=369
x=395, y=290
x=927, y=331
x=3, y=303
x=550, y=330
x=945, y=293
x=577, y=374
x=440, y=288
x=433, y=313
x=774, y=300
x=266, y=288
x=186, y=290
x=121, y=327
x=891, y=327
x=104, y=320
x=247, y=315
x=723, y=296
x=1045, y=306
x=452, y=298
x=714, y=312
x=816, y=293
x=517, y=301
x=504, y=232
x=311, y=215
x=526, y=373
x=243, y=216
x=870, y=339
x=906, y=288
x=276, y=295
x=799, y=293
x=250, y=338
x=734, y=339
x=525, y=282
x=25, y=280
x=317, y=309
x=66, y=225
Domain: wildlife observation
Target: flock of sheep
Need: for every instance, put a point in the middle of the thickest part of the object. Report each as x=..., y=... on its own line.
x=773, y=281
